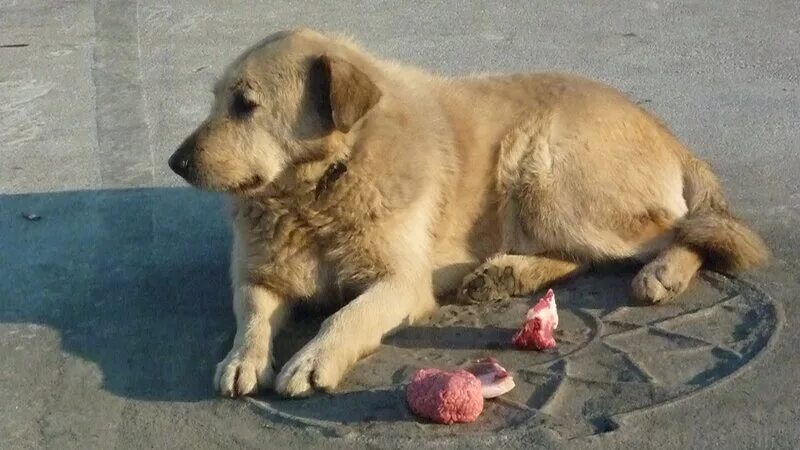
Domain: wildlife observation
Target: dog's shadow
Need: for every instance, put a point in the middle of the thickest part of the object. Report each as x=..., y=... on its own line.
x=136, y=282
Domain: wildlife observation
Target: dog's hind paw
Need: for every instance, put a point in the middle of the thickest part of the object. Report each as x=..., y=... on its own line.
x=488, y=283
x=657, y=283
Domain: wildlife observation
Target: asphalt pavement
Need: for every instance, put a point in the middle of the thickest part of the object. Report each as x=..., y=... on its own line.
x=114, y=298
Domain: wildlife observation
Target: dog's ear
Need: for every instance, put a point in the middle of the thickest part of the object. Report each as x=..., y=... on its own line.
x=348, y=93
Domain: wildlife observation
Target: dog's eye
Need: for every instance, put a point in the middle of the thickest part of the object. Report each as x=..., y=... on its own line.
x=242, y=107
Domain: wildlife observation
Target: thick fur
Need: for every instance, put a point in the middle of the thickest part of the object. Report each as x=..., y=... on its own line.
x=726, y=242
x=351, y=174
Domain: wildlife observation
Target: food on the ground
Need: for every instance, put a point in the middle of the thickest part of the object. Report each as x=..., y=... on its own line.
x=457, y=397
x=495, y=380
x=445, y=397
x=541, y=320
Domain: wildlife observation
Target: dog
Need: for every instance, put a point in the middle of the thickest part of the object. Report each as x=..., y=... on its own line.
x=353, y=176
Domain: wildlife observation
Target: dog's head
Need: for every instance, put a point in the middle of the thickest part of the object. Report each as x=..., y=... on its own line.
x=276, y=105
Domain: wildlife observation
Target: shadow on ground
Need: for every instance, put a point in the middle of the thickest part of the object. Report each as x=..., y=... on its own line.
x=133, y=280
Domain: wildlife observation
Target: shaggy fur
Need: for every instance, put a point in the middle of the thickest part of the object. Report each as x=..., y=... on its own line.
x=348, y=173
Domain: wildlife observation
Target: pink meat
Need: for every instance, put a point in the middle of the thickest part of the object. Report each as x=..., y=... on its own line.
x=541, y=320
x=451, y=397
x=495, y=380
x=445, y=397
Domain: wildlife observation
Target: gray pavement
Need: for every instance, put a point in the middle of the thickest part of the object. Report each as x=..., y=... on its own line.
x=114, y=303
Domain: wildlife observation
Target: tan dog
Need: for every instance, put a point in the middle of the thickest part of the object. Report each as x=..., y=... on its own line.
x=348, y=173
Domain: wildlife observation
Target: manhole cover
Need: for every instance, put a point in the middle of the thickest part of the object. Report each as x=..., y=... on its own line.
x=611, y=360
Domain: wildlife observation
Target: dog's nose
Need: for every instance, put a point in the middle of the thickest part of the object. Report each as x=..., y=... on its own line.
x=179, y=163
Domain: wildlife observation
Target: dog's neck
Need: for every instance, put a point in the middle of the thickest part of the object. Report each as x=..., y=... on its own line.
x=316, y=188
x=334, y=171
x=312, y=177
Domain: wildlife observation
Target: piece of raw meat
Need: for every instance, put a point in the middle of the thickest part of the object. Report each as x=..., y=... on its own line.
x=495, y=380
x=541, y=320
x=445, y=397
x=457, y=397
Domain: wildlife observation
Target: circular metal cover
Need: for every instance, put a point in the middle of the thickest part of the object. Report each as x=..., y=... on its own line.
x=612, y=360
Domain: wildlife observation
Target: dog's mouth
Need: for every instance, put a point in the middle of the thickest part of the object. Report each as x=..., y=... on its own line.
x=249, y=185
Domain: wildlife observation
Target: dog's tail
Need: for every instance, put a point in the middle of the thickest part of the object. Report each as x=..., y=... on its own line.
x=725, y=242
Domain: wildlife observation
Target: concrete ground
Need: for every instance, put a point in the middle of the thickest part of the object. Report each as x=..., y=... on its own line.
x=114, y=304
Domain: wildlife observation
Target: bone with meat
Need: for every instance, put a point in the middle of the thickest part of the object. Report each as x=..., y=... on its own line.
x=495, y=380
x=540, y=321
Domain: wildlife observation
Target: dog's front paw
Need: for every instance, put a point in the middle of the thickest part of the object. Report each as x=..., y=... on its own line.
x=243, y=374
x=316, y=367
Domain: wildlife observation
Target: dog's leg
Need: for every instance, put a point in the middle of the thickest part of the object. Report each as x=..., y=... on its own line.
x=248, y=367
x=357, y=329
x=354, y=331
x=505, y=276
x=666, y=276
